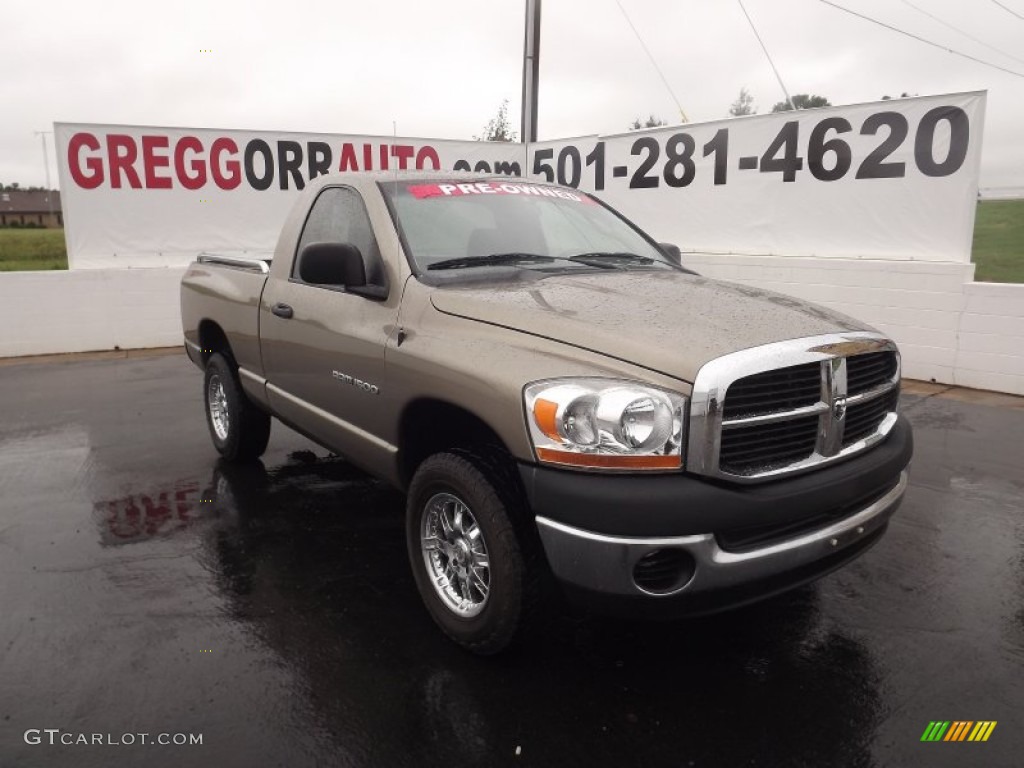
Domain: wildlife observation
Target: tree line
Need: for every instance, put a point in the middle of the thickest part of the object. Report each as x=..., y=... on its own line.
x=500, y=129
x=16, y=187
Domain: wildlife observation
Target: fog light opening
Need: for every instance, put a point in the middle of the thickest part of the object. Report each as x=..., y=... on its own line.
x=663, y=571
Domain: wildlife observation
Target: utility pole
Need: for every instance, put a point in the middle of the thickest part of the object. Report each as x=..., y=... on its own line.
x=46, y=165
x=531, y=71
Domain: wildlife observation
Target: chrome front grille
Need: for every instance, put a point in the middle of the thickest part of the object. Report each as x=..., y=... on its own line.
x=863, y=419
x=781, y=389
x=747, y=449
x=865, y=372
x=791, y=406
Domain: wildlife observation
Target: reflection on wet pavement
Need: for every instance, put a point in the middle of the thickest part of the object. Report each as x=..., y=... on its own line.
x=149, y=587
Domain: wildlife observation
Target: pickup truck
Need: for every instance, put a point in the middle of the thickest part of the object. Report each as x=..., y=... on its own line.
x=567, y=408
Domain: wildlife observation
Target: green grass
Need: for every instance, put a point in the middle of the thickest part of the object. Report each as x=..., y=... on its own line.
x=25, y=249
x=999, y=241
x=998, y=244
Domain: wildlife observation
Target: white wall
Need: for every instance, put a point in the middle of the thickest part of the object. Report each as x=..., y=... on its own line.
x=990, y=354
x=949, y=329
x=82, y=311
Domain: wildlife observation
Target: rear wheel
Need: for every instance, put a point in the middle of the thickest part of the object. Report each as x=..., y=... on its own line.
x=465, y=554
x=238, y=428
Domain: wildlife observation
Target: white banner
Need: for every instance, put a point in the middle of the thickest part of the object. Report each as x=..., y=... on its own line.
x=893, y=179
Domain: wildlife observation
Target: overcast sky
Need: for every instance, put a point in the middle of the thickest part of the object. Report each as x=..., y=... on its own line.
x=441, y=69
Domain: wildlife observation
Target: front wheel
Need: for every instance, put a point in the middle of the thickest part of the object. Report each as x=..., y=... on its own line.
x=465, y=555
x=238, y=428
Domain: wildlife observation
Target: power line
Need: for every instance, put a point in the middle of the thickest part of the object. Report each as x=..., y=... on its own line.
x=923, y=40
x=1008, y=10
x=960, y=31
x=656, y=67
x=767, y=55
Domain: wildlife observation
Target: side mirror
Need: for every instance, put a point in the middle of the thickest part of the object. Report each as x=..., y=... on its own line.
x=338, y=264
x=673, y=253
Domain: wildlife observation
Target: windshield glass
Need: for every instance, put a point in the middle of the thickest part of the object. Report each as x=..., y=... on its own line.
x=499, y=223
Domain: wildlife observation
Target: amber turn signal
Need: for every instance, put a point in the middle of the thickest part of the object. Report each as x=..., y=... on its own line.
x=608, y=461
x=545, y=414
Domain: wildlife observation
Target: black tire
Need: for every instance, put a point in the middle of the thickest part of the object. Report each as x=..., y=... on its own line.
x=244, y=433
x=495, y=504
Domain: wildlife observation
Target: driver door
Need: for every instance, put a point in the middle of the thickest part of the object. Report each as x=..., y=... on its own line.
x=323, y=348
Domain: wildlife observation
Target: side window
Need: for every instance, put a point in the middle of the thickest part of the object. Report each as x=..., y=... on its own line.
x=339, y=216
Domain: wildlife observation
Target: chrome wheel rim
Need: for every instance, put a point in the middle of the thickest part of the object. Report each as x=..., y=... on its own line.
x=217, y=399
x=455, y=555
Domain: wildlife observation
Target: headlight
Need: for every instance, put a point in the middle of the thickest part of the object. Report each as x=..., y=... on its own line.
x=605, y=424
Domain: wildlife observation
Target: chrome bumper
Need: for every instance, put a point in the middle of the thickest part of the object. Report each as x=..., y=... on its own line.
x=604, y=564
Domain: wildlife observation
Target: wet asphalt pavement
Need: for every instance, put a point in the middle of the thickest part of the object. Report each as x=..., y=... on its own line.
x=145, y=588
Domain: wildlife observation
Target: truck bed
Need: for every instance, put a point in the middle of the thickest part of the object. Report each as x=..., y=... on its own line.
x=225, y=289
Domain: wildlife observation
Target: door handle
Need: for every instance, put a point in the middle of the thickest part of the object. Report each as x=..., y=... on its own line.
x=282, y=310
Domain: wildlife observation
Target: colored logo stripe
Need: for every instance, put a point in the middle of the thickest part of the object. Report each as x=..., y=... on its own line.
x=982, y=730
x=958, y=730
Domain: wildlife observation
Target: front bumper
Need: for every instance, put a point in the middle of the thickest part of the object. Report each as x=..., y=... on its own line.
x=588, y=562
x=735, y=545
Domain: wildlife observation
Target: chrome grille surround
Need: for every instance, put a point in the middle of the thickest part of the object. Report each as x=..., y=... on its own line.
x=831, y=351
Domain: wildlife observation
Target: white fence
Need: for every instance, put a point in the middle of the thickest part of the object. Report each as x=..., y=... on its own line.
x=86, y=310
x=949, y=329
x=990, y=349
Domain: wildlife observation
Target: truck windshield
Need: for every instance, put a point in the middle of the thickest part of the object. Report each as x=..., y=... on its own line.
x=507, y=223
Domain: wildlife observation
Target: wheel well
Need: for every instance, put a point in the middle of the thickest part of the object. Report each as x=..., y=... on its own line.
x=213, y=339
x=432, y=426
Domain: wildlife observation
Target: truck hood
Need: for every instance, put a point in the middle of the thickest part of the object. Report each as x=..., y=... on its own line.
x=669, y=322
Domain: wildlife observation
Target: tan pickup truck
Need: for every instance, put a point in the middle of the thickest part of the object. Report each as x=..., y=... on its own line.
x=556, y=395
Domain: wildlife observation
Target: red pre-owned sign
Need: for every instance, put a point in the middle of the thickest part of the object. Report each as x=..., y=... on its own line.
x=425, y=191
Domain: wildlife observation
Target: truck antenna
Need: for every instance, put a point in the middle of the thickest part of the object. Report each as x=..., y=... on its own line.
x=394, y=137
x=394, y=196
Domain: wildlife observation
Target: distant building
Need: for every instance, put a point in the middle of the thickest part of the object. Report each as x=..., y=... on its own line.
x=23, y=208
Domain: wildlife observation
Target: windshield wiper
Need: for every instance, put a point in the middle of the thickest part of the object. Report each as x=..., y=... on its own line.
x=494, y=259
x=515, y=257
x=600, y=258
